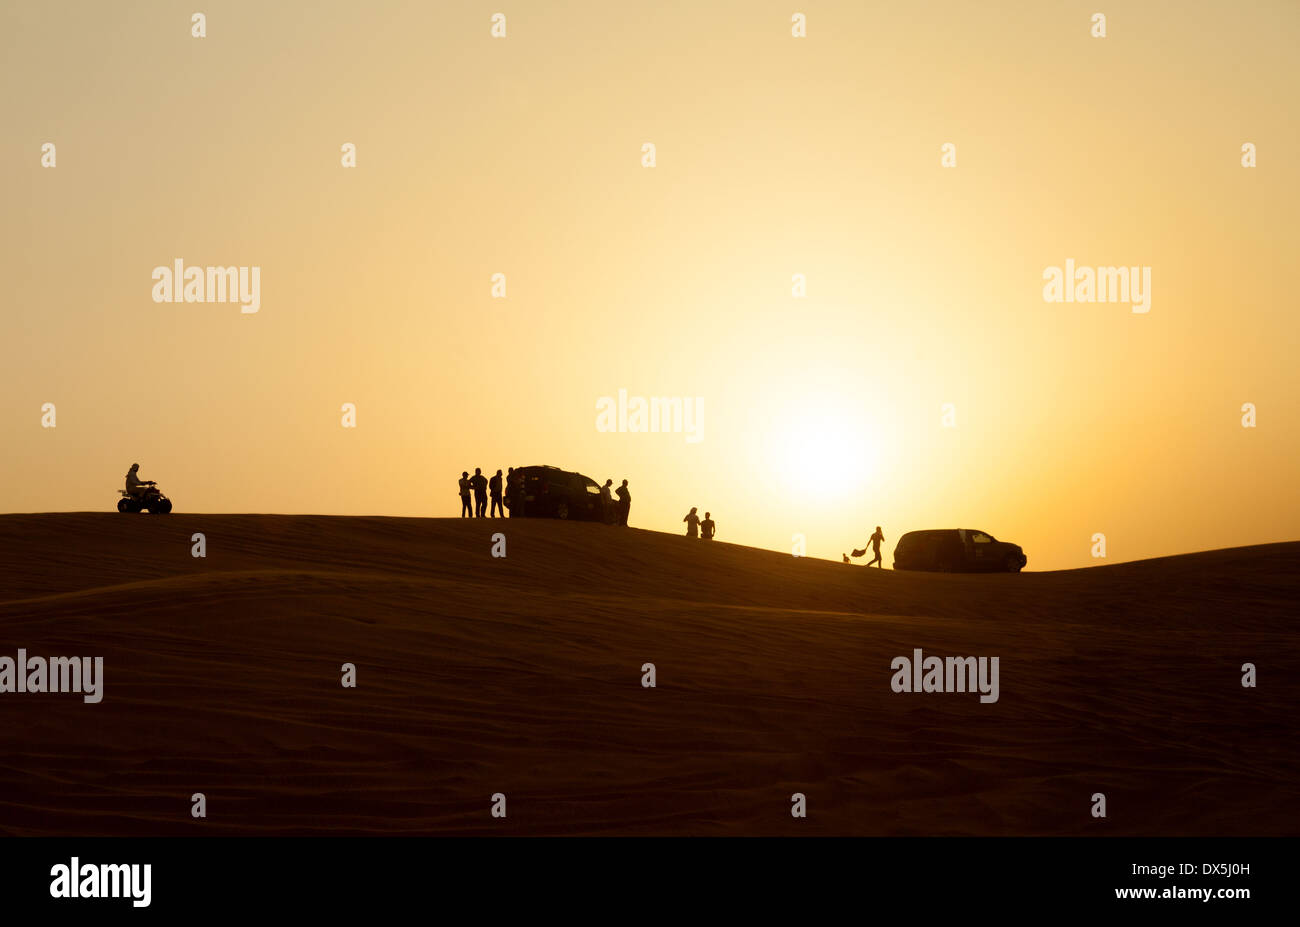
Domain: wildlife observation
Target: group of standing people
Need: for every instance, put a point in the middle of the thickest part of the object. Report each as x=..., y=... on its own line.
x=695, y=528
x=481, y=486
x=481, y=489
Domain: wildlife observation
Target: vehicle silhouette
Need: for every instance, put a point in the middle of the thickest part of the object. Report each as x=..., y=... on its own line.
x=957, y=550
x=151, y=500
x=549, y=492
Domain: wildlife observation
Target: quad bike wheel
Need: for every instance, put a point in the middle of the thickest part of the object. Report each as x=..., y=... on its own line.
x=161, y=507
x=128, y=505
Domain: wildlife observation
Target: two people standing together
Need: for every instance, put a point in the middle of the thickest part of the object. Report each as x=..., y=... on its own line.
x=702, y=529
x=615, y=513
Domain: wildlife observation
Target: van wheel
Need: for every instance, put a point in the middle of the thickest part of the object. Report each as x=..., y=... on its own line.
x=562, y=510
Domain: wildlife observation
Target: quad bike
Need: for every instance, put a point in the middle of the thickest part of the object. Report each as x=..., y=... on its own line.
x=152, y=501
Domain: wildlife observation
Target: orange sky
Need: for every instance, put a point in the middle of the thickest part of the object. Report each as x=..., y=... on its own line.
x=776, y=156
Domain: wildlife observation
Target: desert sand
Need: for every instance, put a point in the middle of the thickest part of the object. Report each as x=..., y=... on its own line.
x=523, y=676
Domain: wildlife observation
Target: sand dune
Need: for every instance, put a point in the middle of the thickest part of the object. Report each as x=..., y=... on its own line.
x=522, y=675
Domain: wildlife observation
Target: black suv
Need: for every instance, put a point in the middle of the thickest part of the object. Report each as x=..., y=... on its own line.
x=549, y=492
x=957, y=550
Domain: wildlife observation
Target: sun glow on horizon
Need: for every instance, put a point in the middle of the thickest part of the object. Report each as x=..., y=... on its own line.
x=863, y=327
x=821, y=448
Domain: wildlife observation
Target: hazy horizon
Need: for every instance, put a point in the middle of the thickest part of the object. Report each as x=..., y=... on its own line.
x=823, y=415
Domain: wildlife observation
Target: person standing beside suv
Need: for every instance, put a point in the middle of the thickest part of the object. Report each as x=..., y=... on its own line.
x=624, y=502
x=606, y=503
x=494, y=486
x=515, y=493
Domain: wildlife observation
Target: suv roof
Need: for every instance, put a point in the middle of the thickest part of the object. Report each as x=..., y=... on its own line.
x=540, y=470
x=945, y=530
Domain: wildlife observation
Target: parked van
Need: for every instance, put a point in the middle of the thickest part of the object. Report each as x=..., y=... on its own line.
x=957, y=550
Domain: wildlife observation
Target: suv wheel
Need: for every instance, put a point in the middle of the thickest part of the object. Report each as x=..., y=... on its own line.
x=1013, y=563
x=562, y=510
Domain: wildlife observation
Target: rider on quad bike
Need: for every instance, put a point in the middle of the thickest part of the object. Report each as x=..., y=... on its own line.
x=142, y=494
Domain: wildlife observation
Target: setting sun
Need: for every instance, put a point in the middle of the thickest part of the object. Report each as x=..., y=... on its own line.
x=820, y=448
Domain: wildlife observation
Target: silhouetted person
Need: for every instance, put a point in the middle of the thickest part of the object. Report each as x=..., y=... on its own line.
x=846, y=558
x=465, y=510
x=606, y=503
x=494, y=485
x=875, y=546
x=134, y=485
x=707, y=527
x=479, y=482
x=692, y=523
x=624, y=502
x=514, y=492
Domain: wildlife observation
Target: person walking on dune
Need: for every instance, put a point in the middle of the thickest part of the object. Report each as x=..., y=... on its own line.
x=494, y=486
x=692, y=523
x=707, y=527
x=624, y=503
x=465, y=510
x=876, y=540
x=480, y=484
